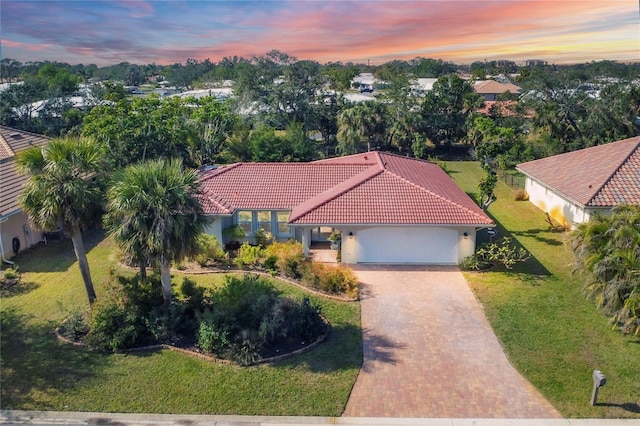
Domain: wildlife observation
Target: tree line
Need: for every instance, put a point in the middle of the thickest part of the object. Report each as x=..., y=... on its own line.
x=285, y=109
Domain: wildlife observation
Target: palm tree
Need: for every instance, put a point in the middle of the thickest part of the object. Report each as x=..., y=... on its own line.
x=374, y=122
x=607, y=254
x=153, y=213
x=61, y=192
x=350, y=129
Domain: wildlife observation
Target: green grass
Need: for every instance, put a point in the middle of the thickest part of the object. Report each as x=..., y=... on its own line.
x=551, y=333
x=41, y=374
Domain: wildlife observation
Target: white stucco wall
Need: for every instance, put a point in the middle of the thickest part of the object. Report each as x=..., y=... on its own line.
x=17, y=226
x=565, y=212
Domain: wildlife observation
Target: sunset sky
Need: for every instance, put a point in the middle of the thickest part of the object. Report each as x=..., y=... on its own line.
x=164, y=32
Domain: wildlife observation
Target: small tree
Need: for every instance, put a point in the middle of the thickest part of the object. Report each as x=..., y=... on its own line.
x=487, y=187
x=501, y=252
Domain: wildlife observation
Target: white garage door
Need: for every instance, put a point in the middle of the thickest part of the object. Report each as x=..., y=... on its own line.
x=408, y=245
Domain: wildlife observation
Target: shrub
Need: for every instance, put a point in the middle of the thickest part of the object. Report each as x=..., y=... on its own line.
x=145, y=295
x=290, y=256
x=10, y=273
x=246, y=352
x=271, y=264
x=74, y=328
x=521, y=195
x=244, y=300
x=302, y=320
x=234, y=233
x=192, y=294
x=263, y=238
x=248, y=318
x=209, y=250
x=501, y=252
x=311, y=274
x=210, y=337
x=132, y=313
x=330, y=279
x=249, y=255
x=472, y=263
x=115, y=327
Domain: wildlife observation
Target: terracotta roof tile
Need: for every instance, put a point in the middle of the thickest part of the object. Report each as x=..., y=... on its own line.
x=624, y=185
x=362, y=188
x=385, y=199
x=603, y=176
x=278, y=186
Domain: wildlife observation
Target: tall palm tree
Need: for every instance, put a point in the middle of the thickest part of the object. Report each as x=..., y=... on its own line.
x=153, y=213
x=60, y=191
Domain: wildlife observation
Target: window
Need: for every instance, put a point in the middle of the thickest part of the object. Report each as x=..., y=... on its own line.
x=264, y=220
x=245, y=219
x=283, y=227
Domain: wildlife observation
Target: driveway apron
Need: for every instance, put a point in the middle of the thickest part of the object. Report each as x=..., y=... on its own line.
x=429, y=351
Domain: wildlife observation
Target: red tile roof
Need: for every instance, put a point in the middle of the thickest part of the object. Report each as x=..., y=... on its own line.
x=276, y=186
x=600, y=176
x=370, y=188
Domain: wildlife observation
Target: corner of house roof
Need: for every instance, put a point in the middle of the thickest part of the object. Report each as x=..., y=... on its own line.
x=632, y=152
x=218, y=201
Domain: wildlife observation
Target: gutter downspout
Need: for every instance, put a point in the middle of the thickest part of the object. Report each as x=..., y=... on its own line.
x=5, y=260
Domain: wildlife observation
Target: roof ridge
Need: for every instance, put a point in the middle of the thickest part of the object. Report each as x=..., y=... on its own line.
x=422, y=188
x=615, y=171
x=404, y=157
x=219, y=170
x=4, y=145
x=216, y=199
x=334, y=192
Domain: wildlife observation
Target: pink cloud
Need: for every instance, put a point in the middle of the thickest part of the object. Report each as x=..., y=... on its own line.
x=27, y=46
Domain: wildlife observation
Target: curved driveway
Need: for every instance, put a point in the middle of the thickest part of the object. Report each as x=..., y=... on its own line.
x=430, y=352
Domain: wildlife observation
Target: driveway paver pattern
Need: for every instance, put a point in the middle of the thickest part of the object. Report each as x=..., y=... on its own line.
x=429, y=351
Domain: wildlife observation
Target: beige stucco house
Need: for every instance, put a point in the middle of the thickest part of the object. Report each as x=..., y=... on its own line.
x=15, y=232
x=572, y=187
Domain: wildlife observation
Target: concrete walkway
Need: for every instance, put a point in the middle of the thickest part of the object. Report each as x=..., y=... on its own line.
x=430, y=352
x=57, y=418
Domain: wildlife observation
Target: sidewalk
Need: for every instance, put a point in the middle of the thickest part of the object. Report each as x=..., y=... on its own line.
x=10, y=417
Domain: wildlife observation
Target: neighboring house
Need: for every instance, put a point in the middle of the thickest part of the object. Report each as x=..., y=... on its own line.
x=491, y=89
x=15, y=232
x=389, y=209
x=572, y=187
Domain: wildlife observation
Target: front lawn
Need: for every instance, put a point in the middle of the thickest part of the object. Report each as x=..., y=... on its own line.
x=550, y=332
x=38, y=373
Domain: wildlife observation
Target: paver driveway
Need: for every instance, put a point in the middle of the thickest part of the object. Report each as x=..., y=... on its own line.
x=430, y=352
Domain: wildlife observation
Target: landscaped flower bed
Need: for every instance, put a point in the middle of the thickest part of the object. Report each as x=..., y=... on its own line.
x=288, y=261
x=246, y=321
